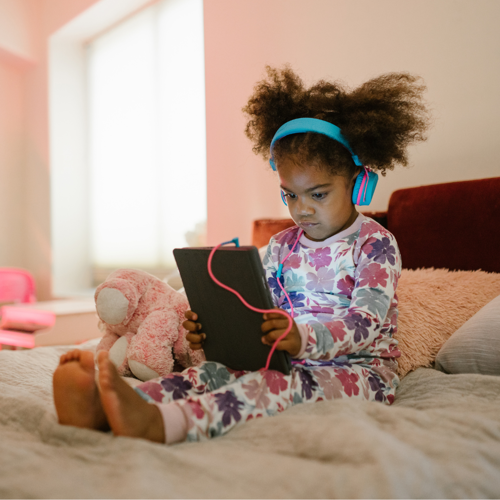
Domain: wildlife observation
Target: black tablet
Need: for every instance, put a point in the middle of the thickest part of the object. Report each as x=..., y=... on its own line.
x=233, y=331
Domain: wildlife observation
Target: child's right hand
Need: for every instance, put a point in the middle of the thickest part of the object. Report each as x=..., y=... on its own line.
x=194, y=338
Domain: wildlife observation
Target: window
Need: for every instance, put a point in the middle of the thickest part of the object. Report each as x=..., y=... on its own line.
x=146, y=138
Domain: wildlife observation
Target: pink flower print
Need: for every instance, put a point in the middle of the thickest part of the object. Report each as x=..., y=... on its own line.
x=276, y=252
x=293, y=261
x=275, y=381
x=367, y=246
x=348, y=381
x=394, y=319
x=394, y=278
x=317, y=310
x=253, y=391
x=344, y=349
x=332, y=386
x=341, y=253
x=196, y=409
x=287, y=238
x=365, y=386
x=369, y=227
x=373, y=227
x=153, y=390
x=373, y=275
x=323, y=281
x=320, y=258
x=394, y=352
x=336, y=328
x=385, y=373
x=346, y=286
x=192, y=375
x=250, y=417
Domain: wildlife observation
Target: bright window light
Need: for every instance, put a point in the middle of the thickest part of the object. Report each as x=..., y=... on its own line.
x=147, y=139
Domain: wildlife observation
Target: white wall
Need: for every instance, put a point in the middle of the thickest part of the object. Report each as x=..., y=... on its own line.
x=453, y=44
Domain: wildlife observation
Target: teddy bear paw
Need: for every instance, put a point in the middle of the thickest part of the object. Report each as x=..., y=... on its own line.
x=142, y=372
x=118, y=351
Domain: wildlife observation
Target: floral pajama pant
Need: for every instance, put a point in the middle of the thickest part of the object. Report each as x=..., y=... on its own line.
x=214, y=399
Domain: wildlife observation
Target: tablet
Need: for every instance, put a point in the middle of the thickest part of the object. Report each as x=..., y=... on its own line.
x=233, y=331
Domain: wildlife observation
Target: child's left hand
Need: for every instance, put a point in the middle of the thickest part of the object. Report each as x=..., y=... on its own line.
x=275, y=325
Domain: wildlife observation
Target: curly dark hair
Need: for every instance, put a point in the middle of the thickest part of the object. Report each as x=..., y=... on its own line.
x=379, y=119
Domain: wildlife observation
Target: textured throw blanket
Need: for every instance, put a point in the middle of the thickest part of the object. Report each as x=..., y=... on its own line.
x=440, y=439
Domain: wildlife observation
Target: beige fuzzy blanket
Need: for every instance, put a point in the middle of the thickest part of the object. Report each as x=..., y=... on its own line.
x=441, y=439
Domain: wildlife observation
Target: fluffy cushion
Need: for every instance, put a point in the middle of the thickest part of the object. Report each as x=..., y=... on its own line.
x=475, y=346
x=434, y=304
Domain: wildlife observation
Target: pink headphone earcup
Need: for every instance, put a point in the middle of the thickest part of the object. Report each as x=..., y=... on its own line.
x=362, y=193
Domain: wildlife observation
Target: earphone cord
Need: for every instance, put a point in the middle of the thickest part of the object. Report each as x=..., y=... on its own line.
x=364, y=183
x=280, y=270
x=263, y=311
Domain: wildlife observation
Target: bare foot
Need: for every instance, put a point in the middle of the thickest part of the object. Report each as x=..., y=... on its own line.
x=128, y=414
x=76, y=396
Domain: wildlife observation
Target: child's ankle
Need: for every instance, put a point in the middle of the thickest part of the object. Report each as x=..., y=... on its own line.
x=174, y=425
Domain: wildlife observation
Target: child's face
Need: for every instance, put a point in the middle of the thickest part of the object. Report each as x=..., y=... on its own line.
x=319, y=202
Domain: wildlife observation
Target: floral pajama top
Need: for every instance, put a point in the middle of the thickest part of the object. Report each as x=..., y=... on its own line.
x=343, y=291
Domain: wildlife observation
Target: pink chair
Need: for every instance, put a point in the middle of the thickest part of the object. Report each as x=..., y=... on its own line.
x=17, y=286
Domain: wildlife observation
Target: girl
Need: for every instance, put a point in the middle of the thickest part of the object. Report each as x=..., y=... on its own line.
x=336, y=271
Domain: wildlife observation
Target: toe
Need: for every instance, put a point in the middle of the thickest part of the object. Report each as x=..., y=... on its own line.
x=68, y=356
x=102, y=356
x=87, y=360
x=106, y=372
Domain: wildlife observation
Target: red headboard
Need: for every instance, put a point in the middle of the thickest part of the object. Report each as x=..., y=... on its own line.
x=454, y=225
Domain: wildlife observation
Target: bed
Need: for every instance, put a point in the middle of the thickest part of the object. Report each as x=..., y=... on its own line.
x=440, y=438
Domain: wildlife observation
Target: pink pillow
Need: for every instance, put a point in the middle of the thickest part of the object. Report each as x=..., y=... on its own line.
x=433, y=304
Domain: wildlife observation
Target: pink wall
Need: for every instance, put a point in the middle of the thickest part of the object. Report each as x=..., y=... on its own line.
x=17, y=24
x=453, y=44
x=24, y=151
x=12, y=196
x=53, y=14
x=16, y=58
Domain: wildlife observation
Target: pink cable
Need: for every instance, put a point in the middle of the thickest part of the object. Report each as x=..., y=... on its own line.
x=278, y=311
x=365, y=180
x=281, y=266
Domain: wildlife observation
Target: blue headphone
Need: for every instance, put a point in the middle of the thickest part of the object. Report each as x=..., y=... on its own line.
x=366, y=181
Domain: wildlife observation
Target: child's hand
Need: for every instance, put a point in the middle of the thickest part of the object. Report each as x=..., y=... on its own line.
x=275, y=325
x=195, y=339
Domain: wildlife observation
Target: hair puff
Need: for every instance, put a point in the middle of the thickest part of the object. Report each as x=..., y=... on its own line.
x=380, y=119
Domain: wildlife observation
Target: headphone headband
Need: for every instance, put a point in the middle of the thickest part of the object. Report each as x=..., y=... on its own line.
x=304, y=125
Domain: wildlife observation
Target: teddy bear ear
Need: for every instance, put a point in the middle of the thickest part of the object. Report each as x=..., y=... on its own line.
x=116, y=301
x=112, y=306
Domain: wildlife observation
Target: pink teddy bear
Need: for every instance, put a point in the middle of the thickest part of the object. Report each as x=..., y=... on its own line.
x=141, y=317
